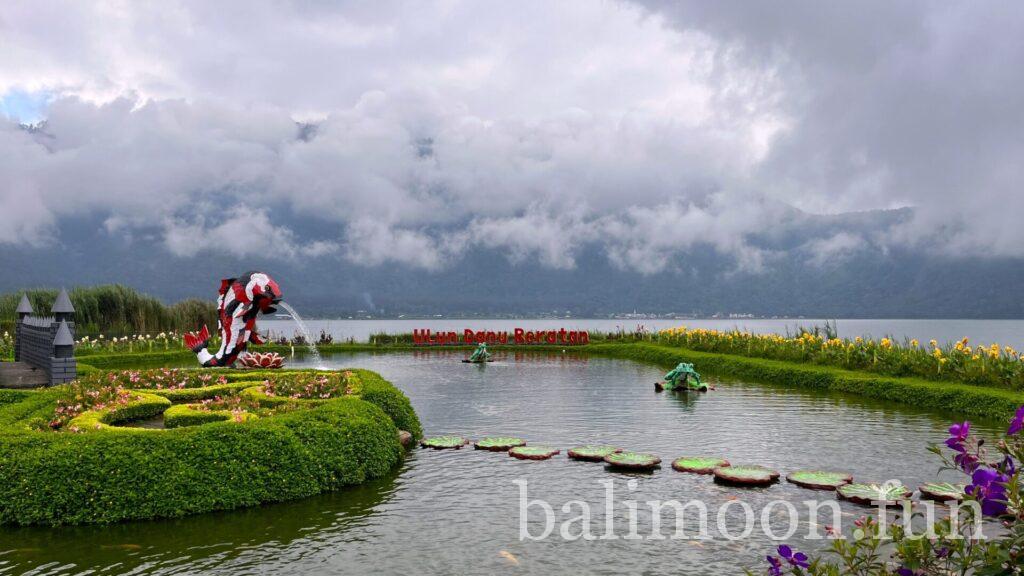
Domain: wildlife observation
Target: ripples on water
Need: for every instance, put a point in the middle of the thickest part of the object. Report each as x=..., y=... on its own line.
x=455, y=511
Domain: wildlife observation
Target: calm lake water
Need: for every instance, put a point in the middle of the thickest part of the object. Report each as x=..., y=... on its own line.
x=1004, y=332
x=457, y=512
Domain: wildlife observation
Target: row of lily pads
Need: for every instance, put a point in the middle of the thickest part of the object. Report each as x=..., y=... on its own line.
x=724, y=472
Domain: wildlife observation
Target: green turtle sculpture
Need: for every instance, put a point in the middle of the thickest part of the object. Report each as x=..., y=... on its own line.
x=480, y=355
x=682, y=377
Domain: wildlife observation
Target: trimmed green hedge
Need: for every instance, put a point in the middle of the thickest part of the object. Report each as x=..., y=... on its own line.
x=141, y=406
x=962, y=399
x=197, y=394
x=109, y=474
x=12, y=396
x=181, y=415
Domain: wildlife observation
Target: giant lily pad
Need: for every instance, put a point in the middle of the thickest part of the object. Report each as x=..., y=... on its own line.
x=444, y=442
x=632, y=460
x=698, y=464
x=745, y=475
x=819, y=479
x=592, y=453
x=943, y=491
x=533, y=452
x=499, y=443
x=872, y=494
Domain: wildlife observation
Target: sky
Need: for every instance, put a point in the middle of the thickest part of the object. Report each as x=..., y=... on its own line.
x=406, y=133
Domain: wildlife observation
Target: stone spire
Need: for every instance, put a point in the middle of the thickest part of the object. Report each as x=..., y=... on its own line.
x=62, y=309
x=24, y=307
x=63, y=337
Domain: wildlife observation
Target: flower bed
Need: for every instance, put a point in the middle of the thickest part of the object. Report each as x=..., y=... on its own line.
x=80, y=467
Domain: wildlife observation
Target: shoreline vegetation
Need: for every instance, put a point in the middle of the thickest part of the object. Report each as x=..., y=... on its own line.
x=987, y=400
x=114, y=309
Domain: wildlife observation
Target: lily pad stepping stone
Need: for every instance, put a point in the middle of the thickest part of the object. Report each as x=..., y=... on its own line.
x=943, y=491
x=444, y=442
x=499, y=443
x=698, y=464
x=819, y=479
x=870, y=494
x=533, y=452
x=595, y=453
x=745, y=475
x=632, y=460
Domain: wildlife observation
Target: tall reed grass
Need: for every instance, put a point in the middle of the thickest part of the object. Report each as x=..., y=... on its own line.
x=114, y=309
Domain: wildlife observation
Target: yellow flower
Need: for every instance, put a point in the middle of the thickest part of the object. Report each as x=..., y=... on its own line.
x=914, y=343
x=934, y=343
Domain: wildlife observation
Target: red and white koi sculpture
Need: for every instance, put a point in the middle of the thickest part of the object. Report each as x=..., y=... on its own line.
x=240, y=301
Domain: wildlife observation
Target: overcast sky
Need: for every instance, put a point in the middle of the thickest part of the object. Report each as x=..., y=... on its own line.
x=404, y=132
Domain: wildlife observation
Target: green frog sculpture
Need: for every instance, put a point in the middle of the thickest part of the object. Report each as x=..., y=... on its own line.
x=480, y=355
x=682, y=377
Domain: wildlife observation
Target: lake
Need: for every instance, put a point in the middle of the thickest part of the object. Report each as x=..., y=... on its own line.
x=457, y=512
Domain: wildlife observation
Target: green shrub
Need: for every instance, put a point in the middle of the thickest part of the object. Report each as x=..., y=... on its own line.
x=108, y=473
x=12, y=396
x=181, y=415
x=139, y=407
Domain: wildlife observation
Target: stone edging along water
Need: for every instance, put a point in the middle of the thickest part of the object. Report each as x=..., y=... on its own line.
x=963, y=400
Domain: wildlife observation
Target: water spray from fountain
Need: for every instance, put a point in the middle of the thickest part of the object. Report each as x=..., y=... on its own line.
x=318, y=361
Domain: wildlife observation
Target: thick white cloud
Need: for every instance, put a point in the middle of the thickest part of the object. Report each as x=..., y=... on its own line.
x=537, y=128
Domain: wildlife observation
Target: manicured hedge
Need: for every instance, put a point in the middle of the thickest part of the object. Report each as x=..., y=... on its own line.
x=12, y=396
x=141, y=406
x=964, y=400
x=197, y=394
x=181, y=415
x=109, y=473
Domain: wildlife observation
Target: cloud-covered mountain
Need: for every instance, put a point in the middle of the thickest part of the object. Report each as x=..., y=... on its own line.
x=804, y=272
x=692, y=156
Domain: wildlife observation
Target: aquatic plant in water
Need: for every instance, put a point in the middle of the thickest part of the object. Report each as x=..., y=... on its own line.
x=698, y=464
x=632, y=460
x=533, y=452
x=819, y=479
x=943, y=491
x=592, y=453
x=498, y=443
x=747, y=475
x=444, y=442
x=874, y=494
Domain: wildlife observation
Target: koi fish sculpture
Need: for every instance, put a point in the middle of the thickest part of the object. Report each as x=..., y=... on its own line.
x=239, y=302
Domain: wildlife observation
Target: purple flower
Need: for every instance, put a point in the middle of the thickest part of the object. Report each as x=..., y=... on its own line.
x=775, y=568
x=904, y=571
x=960, y=431
x=966, y=461
x=989, y=487
x=798, y=559
x=958, y=436
x=1017, y=424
